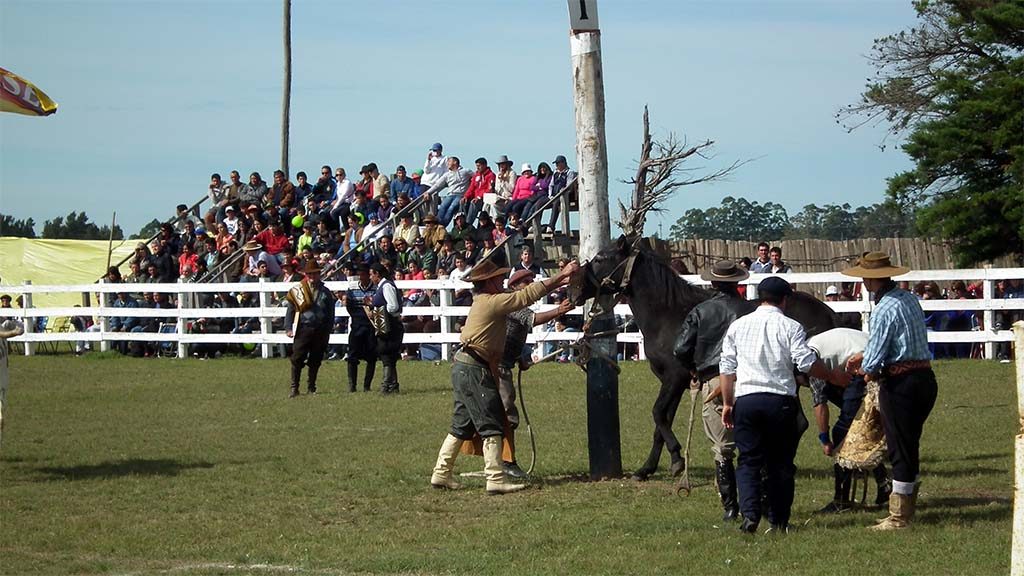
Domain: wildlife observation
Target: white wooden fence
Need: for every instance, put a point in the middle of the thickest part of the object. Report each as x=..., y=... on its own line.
x=266, y=311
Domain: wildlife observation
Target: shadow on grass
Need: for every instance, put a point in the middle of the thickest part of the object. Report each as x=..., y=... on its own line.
x=963, y=457
x=965, y=509
x=120, y=468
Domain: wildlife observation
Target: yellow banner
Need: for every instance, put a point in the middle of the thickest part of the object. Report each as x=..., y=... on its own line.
x=20, y=96
x=60, y=262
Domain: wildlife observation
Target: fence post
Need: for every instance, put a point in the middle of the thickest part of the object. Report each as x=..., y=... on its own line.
x=264, y=321
x=101, y=298
x=180, y=323
x=446, y=302
x=28, y=322
x=1017, y=543
x=865, y=296
x=988, y=317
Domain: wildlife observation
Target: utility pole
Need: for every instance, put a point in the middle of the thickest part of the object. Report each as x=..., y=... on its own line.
x=286, y=103
x=595, y=233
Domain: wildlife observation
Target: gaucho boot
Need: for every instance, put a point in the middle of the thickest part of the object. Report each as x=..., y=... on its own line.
x=884, y=486
x=296, y=375
x=496, y=482
x=443, y=478
x=353, y=375
x=842, y=479
x=901, y=510
x=390, y=380
x=311, y=385
x=725, y=473
x=371, y=369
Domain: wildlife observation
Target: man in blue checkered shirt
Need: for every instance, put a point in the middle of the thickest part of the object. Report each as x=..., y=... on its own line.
x=897, y=357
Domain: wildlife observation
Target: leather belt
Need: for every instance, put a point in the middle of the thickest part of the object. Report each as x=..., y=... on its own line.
x=900, y=368
x=468, y=356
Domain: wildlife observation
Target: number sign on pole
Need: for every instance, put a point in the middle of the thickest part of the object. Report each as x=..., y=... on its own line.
x=583, y=15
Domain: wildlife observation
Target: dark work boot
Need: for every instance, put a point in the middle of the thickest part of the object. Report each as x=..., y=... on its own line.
x=353, y=375
x=842, y=480
x=388, y=384
x=884, y=486
x=371, y=369
x=749, y=526
x=311, y=385
x=725, y=472
x=296, y=375
x=678, y=464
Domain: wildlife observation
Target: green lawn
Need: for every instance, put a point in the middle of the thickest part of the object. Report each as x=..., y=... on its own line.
x=124, y=466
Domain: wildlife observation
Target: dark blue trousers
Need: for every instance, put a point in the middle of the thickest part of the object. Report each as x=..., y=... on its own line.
x=766, y=435
x=848, y=400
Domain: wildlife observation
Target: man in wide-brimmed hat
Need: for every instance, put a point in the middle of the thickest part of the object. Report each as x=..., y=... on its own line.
x=897, y=357
x=308, y=319
x=699, y=347
x=362, y=342
x=478, y=406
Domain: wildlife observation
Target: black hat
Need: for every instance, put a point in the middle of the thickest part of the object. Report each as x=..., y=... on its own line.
x=561, y=159
x=364, y=169
x=371, y=166
x=483, y=215
x=774, y=286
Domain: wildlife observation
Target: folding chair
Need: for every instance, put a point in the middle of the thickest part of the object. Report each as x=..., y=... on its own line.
x=167, y=349
x=60, y=325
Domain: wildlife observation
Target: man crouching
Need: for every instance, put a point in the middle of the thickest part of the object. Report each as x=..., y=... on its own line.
x=478, y=407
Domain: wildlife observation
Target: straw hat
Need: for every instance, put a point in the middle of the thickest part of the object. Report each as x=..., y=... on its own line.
x=252, y=245
x=875, y=265
x=724, y=271
x=484, y=271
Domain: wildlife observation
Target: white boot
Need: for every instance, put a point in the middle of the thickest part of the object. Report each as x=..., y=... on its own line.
x=496, y=483
x=442, y=477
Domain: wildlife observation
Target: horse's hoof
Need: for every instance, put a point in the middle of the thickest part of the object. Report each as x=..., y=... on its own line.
x=677, y=467
x=642, y=475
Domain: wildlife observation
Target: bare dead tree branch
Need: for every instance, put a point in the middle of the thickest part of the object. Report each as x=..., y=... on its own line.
x=660, y=173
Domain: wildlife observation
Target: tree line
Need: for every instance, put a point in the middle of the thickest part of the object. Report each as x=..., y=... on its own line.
x=74, y=226
x=741, y=219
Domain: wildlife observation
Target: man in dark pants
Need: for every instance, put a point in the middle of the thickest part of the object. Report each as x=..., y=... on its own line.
x=756, y=368
x=387, y=304
x=834, y=347
x=477, y=402
x=362, y=342
x=897, y=357
x=309, y=318
x=699, y=348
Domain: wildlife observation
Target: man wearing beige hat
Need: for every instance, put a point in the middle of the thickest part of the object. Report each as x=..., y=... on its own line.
x=478, y=407
x=897, y=357
x=699, y=348
x=308, y=319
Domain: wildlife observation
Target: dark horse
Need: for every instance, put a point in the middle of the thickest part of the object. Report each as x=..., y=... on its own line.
x=660, y=300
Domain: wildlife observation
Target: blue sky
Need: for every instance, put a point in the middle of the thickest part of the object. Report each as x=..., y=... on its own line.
x=155, y=95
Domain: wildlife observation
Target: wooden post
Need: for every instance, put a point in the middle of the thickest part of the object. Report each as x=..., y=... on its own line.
x=110, y=241
x=286, y=100
x=1017, y=543
x=988, y=317
x=28, y=322
x=595, y=232
x=446, y=321
x=179, y=323
x=265, y=327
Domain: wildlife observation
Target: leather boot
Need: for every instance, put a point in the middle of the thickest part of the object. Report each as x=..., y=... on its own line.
x=353, y=375
x=443, y=478
x=842, y=480
x=311, y=385
x=496, y=483
x=296, y=375
x=901, y=510
x=725, y=473
x=884, y=486
x=371, y=369
x=390, y=380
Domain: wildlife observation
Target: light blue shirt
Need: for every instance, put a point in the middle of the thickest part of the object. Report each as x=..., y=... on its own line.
x=896, y=332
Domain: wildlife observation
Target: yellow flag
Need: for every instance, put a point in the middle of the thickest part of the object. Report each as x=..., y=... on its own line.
x=20, y=96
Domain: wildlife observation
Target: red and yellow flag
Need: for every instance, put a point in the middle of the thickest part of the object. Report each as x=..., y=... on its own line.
x=20, y=96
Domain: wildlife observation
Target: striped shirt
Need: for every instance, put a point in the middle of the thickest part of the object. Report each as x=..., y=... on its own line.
x=761, y=349
x=896, y=332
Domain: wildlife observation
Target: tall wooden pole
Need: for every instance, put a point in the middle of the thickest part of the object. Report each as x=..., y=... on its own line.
x=595, y=233
x=286, y=102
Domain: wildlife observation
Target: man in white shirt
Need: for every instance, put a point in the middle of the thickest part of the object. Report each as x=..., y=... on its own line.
x=345, y=192
x=759, y=401
x=434, y=168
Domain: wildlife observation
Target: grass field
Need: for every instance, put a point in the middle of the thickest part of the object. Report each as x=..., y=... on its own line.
x=121, y=466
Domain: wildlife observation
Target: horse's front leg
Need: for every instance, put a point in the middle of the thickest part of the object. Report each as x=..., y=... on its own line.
x=651, y=465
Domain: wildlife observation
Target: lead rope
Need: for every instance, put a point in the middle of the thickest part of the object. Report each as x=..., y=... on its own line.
x=526, y=418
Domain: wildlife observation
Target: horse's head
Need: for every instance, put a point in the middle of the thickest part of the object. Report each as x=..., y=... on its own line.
x=608, y=271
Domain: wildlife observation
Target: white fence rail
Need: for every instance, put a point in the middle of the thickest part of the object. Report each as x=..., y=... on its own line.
x=266, y=311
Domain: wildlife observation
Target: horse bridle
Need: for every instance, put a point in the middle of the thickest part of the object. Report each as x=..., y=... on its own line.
x=625, y=265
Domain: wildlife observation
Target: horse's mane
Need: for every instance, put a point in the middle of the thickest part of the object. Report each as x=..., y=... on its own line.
x=676, y=291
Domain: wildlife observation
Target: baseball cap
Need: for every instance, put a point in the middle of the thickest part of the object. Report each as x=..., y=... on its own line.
x=832, y=291
x=436, y=147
